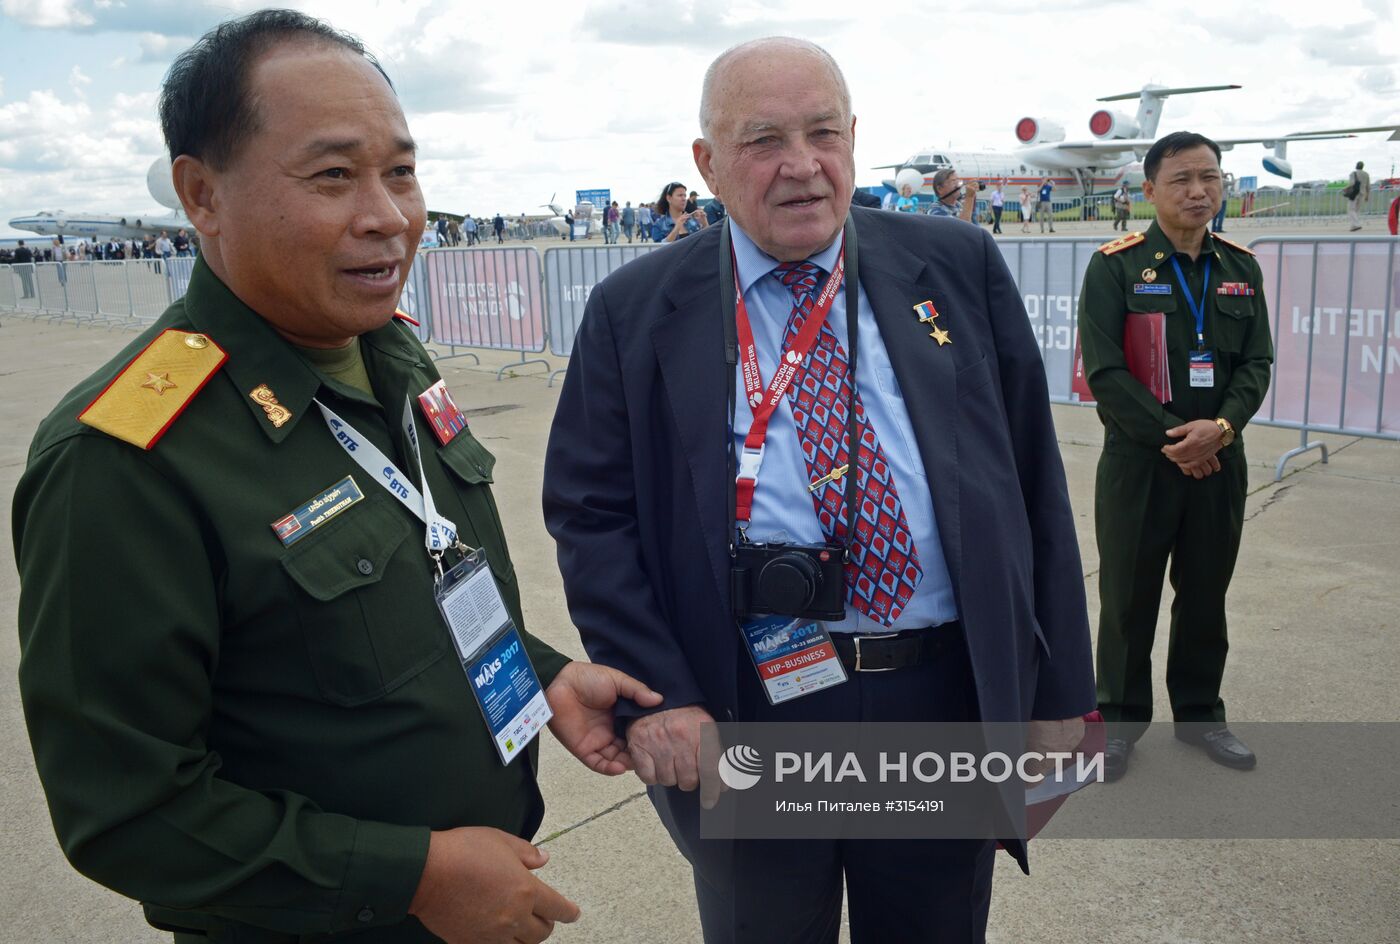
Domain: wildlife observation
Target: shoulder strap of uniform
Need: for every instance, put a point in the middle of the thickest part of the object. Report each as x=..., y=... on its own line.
x=402, y=315
x=1233, y=245
x=144, y=399
x=1121, y=243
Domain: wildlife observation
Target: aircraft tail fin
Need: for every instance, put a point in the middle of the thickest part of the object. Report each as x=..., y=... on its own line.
x=1150, y=99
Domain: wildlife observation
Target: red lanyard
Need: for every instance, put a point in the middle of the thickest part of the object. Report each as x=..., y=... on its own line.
x=762, y=402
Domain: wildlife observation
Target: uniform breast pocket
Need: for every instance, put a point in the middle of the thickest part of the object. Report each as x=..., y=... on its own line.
x=364, y=602
x=471, y=465
x=1233, y=315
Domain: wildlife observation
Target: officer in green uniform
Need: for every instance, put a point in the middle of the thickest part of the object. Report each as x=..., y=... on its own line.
x=1172, y=480
x=246, y=708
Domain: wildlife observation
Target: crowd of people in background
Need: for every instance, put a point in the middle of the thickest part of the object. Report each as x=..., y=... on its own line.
x=675, y=214
x=150, y=247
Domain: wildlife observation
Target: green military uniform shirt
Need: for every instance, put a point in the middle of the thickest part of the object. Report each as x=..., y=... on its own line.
x=1236, y=331
x=253, y=738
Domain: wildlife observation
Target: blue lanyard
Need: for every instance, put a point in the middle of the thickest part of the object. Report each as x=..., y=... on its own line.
x=1197, y=308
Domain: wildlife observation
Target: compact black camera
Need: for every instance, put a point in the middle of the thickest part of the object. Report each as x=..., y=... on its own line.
x=801, y=580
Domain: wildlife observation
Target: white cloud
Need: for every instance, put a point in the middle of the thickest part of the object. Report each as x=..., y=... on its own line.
x=696, y=24
x=510, y=102
x=48, y=14
x=160, y=48
x=169, y=17
x=1377, y=79
x=78, y=81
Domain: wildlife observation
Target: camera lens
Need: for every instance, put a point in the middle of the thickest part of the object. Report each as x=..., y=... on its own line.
x=788, y=583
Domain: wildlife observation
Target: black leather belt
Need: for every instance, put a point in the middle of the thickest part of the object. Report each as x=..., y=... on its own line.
x=885, y=652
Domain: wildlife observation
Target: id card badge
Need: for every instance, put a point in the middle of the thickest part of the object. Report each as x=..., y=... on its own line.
x=492, y=654
x=793, y=657
x=1202, y=369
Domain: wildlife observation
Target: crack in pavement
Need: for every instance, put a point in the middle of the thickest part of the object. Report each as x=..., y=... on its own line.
x=588, y=819
x=1278, y=493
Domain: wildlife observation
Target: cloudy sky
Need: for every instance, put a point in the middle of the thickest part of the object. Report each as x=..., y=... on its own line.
x=513, y=101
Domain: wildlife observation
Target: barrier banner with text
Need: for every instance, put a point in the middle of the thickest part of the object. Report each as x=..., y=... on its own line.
x=1049, y=273
x=570, y=276
x=1335, y=315
x=485, y=298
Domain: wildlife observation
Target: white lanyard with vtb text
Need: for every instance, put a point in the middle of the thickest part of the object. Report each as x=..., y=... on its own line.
x=440, y=533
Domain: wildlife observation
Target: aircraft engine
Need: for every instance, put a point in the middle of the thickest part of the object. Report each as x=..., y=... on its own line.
x=1112, y=125
x=159, y=183
x=1278, y=165
x=1038, y=131
x=908, y=176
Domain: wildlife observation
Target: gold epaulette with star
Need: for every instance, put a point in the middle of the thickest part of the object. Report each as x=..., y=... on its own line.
x=1233, y=245
x=141, y=403
x=1121, y=243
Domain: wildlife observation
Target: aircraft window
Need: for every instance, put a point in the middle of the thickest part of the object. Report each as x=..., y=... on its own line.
x=921, y=159
x=1023, y=168
x=939, y=159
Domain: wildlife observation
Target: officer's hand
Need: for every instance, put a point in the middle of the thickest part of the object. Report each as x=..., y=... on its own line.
x=477, y=888
x=1201, y=468
x=1052, y=737
x=582, y=696
x=666, y=749
x=1199, y=439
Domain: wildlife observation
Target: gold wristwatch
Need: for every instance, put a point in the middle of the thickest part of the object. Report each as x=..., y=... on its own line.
x=1227, y=432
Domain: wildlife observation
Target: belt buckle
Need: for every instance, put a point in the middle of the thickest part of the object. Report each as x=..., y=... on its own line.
x=858, y=637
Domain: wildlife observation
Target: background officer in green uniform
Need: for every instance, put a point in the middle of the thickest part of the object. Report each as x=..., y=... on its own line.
x=1172, y=480
x=256, y=723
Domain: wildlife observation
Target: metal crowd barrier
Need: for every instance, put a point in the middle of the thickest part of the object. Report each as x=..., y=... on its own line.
x=485, y=298
x=1332, y=303
x=1049, y=272
x=414, y=301
x=570, y=273
x=9, y=293
x=129, y=293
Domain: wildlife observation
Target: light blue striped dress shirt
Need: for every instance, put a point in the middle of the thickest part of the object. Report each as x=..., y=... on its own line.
x=782, y=508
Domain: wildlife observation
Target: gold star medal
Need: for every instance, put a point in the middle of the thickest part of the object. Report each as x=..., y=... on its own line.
x=1149, y=275
x=927, y=315
x=1159, y=255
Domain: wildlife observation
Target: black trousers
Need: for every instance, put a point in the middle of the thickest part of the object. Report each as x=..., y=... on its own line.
x=789, y=891
x=1150, y=518
x=996, y=219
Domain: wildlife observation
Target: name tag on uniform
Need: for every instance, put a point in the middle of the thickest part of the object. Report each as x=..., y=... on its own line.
x=292, y=527
x=1202, y=369
x=793, y=657
x=492, y=654
x=1152, y=288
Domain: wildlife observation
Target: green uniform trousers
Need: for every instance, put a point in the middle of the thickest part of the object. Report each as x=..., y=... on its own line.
x=1146, y=514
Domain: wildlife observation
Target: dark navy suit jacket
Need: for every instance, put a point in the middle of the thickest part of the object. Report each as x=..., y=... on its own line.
x=636, y=497
x=635, y=489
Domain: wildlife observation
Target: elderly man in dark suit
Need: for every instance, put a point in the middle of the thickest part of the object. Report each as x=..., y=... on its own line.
x=963, y=578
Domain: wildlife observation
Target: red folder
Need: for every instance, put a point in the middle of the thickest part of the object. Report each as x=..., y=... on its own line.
x=1144, y=350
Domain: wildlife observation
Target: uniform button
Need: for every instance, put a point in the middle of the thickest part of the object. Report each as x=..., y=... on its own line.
x=364, y=567
x=366, y=915
x=481, y=470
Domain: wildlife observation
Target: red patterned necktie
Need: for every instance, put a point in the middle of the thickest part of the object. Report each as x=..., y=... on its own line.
x=884, y=567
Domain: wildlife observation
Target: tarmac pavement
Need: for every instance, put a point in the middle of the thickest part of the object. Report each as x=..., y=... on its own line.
x=1314, y=609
